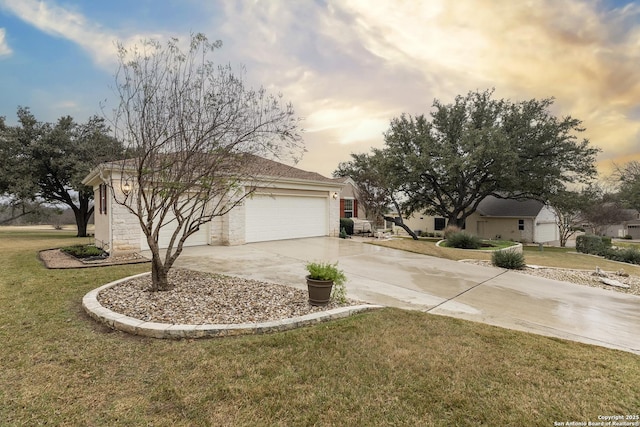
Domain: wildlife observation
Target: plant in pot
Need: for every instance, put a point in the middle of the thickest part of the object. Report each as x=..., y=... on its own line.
x=324, y=278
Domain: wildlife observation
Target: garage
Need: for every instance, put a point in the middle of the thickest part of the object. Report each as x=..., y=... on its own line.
x=201, y=237
x=279, y=217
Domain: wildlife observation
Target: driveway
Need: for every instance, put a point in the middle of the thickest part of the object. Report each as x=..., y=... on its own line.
x=418, y=282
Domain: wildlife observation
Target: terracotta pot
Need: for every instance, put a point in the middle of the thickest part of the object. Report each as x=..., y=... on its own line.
x=319, y=291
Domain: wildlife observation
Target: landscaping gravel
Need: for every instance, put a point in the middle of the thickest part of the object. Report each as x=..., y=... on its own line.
x=201, y=298
x=580, y=277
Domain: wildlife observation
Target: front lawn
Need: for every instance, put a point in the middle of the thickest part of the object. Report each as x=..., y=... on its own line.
x=549, y=256
x=389, y=367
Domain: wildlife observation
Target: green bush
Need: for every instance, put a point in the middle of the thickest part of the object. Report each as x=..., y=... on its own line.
x=628, y=237
x=84, y=251
x=347, y=224
x=628, y=255
x=508, y=259
x=590, y=244
x=462, y=240
x=451, y=229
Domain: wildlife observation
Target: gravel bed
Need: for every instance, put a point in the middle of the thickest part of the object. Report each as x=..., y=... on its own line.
x=201, y=298
x=580, y=277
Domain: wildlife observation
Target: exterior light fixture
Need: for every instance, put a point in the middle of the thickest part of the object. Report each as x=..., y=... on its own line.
x=335, y=195
x=126, y=188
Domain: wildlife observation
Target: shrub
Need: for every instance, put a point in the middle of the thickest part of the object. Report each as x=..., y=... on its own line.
x=84, y=251
x=451, y=229
x=463, y=241
x=343, y=233
x=628, y=255
x=606, y=242
x=347, y=224
x=628, y=237
x=590, y=244
x=508, y=259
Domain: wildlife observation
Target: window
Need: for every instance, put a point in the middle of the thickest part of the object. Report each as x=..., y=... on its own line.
x=348, y=208
x=521, y=224
x=438, y=224
x=102, y=208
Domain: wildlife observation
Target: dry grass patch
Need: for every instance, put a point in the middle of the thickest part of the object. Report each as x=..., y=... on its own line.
x=549, y=257
x=390, y=367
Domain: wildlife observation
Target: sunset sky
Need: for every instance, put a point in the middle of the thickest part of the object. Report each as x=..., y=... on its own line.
x=347, y=66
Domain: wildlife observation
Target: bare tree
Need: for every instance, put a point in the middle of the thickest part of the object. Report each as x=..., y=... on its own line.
x=197, y=136
x=605, y=209
x=569, y=207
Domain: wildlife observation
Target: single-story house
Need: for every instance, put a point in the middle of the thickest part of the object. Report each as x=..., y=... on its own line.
x=350, y=206
x=496, y=218
x=626, y=228
x=288, y=203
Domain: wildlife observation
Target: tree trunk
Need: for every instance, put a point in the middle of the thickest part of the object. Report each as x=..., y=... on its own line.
x=81, y=223
x=82, y=215
x=398, y=221
x=159, y=276
x=456, y=222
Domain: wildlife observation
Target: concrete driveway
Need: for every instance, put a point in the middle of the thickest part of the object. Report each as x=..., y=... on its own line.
x=400, y=279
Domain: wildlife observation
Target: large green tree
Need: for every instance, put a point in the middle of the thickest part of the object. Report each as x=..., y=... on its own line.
x=629, y=179
x=479, y=146
x=46, y=162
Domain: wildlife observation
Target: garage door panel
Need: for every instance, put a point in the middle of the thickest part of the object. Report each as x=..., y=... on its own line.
x=285, y=217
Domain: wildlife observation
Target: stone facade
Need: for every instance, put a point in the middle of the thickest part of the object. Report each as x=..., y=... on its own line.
x=118, y=230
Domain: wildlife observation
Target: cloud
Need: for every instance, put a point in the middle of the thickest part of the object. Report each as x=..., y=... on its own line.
x=5, y=50
x=99, y=42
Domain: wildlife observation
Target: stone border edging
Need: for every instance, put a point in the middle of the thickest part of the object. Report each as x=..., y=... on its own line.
x=134, y=326
x=514, y=248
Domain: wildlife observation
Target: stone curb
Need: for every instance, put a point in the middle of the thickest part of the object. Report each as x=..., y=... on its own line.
x=123, y=323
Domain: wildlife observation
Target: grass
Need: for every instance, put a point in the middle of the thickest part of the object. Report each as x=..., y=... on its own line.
x=389, y=367
x=550, y=256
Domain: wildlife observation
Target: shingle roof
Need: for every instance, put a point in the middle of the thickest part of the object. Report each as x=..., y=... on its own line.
x=496, y=207
x=259, y=166
x=271, y=168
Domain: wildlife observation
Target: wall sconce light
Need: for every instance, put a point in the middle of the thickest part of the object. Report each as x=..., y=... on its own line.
x=126, y=188
x=335, y=195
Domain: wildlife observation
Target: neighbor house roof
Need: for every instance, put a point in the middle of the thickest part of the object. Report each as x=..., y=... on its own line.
x=496, y=207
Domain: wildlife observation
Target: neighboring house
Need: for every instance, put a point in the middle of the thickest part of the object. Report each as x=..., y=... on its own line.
x=495, y=218
x=626, y=228
x=289, y=203
x=350, y=206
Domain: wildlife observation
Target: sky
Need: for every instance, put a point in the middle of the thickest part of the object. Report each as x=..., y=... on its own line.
x=347, y=66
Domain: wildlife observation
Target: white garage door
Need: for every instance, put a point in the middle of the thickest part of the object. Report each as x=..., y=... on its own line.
x=546, y=232
x=285, y=217
x=201, y=237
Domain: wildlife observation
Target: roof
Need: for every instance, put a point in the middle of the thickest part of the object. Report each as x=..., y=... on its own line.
x=271, y=168
x=508, y=208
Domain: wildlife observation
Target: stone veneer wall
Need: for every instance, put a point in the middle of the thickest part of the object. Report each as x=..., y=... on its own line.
x=334, y=215
x=233, y=229
x=126, y=233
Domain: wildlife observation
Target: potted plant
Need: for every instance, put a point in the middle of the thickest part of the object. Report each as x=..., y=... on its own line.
x=321, y=280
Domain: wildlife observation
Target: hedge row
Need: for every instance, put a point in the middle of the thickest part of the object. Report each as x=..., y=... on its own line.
x=601, y=246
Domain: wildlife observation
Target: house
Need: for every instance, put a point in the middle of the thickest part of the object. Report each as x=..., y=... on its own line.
x=350, y=206
x=496, y=218
x=288, y=203
x=630, y=227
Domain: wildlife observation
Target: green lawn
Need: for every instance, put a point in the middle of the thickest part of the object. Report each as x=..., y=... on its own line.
x=550, y=256
x=389, y=367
